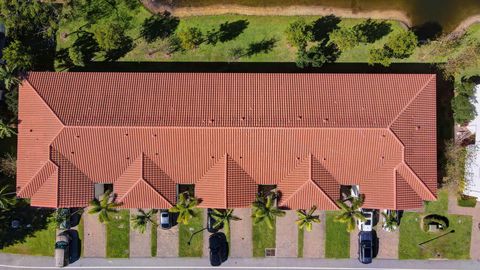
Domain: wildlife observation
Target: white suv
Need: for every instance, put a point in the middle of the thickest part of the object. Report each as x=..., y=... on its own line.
x=366, y=226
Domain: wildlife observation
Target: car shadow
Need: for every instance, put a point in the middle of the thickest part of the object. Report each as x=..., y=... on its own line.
x=376, y=244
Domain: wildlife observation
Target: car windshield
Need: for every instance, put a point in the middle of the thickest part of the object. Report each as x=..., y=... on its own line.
x=164, y=215
x=368, y=222
x=61, y=244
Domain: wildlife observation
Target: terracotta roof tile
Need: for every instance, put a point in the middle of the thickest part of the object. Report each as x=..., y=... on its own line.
x=102, y=129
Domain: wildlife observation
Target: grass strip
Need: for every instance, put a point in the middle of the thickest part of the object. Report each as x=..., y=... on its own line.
x=337, y=241
x=118, y=235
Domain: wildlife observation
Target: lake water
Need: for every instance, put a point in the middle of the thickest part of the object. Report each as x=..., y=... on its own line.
x=448, y=13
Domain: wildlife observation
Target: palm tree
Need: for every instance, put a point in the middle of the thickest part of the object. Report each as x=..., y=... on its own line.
x=306, y=219
x=391, y=221
x=104, y=207
x=264, y=209
x=6, y=200
x=350, y=213
x=142, y=219
x=224, y=217
x=9, y=76
x=6, y=130
x=185, y=208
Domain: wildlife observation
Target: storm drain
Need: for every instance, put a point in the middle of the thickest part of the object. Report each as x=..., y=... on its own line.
x=269, y=252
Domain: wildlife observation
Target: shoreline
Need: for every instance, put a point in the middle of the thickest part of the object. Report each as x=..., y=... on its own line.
x=394, y=15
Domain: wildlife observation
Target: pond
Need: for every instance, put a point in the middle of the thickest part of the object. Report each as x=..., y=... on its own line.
x=448, y=13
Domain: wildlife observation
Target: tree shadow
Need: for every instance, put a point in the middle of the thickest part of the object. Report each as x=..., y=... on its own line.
x=370, y=31
x=428, y=31
x=323, y=26
x=159, y=26
x=227, y=31
x=127, y=46
x=30, y=220
x=87, y=45
x=263, y=46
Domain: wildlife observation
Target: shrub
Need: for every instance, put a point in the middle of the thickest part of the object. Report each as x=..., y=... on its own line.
x=379, y=56
x=402, y=45
x=8, y=165
x=299, y=33
x=463, y=109
x=434, y=220
x=190, y=37
x=110, y=35
x=466, y=201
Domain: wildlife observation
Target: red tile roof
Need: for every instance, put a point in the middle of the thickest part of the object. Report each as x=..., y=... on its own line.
x=226, y=133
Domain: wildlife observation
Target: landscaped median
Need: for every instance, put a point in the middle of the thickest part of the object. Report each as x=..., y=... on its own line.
x=337, y=239
x=195, y=249
x=118, y=235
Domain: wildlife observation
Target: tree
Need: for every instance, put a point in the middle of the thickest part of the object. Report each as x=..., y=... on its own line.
x=299, y=33
x=317, y=55
x=306, y=219
x=391, y=221
x=379, y=56
x=142, y=219
x=463, y=109
x=402, y=44
x=76, y=55
x=224, y=217
x=10, y=76
x=190, y=37
x=110, y=35
x=6, y=198
x=16, y=53
x=8, y=165
x=104, y=207
x=350, y=212
x=6, y=131
x=185, y=207
x=264, y=209
x=344, y=38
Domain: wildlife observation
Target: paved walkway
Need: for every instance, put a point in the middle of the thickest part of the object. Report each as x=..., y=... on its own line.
x=354, y=243
x=95, y=236
x=167, y=241
x=287, y=235
x=241, y=234
x=140, y=243
x=388, y=242
x=206, y=234
x=453, y=208
x=314, y=241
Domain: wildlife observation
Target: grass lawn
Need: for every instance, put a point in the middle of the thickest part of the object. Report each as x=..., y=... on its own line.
x=42, y=243
x=263, y=237
x=185, y=231
x=80, y=230
x=452, y=246
x=337, y=241
x=118, y=235
x=440, y=206
x=301, y=235
x=153, y=238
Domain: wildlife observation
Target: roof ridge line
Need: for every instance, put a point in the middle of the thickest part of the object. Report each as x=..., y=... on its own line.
x=411, y=100
x=223, y=127
x=323, y=192
x=36, y=173
x=226, y=178
x=416, y=176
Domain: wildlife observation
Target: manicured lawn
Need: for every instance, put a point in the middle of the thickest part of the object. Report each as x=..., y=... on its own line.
x=118, y=235
x=301, y=235
x=440, y=206
x=451, y=246
x=153, y=238
x=263, y=237
x=42, y=243
x=195, y=249
x=337, y=241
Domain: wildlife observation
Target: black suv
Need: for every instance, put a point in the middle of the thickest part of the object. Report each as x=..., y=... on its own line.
x=211, y=221
x=218, y=248
x=365, y=247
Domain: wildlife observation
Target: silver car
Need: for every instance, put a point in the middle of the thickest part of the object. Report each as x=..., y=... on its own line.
x=165, y=219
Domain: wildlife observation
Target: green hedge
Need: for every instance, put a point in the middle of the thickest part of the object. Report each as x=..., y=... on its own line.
x=466, y=201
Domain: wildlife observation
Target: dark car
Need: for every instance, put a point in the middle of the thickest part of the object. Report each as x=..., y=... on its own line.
x=218, y=248
x=211, y=222
x=365, y=247
x=165, y=219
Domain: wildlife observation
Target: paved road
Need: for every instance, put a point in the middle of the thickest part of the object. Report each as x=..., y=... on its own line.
x=22, y=262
